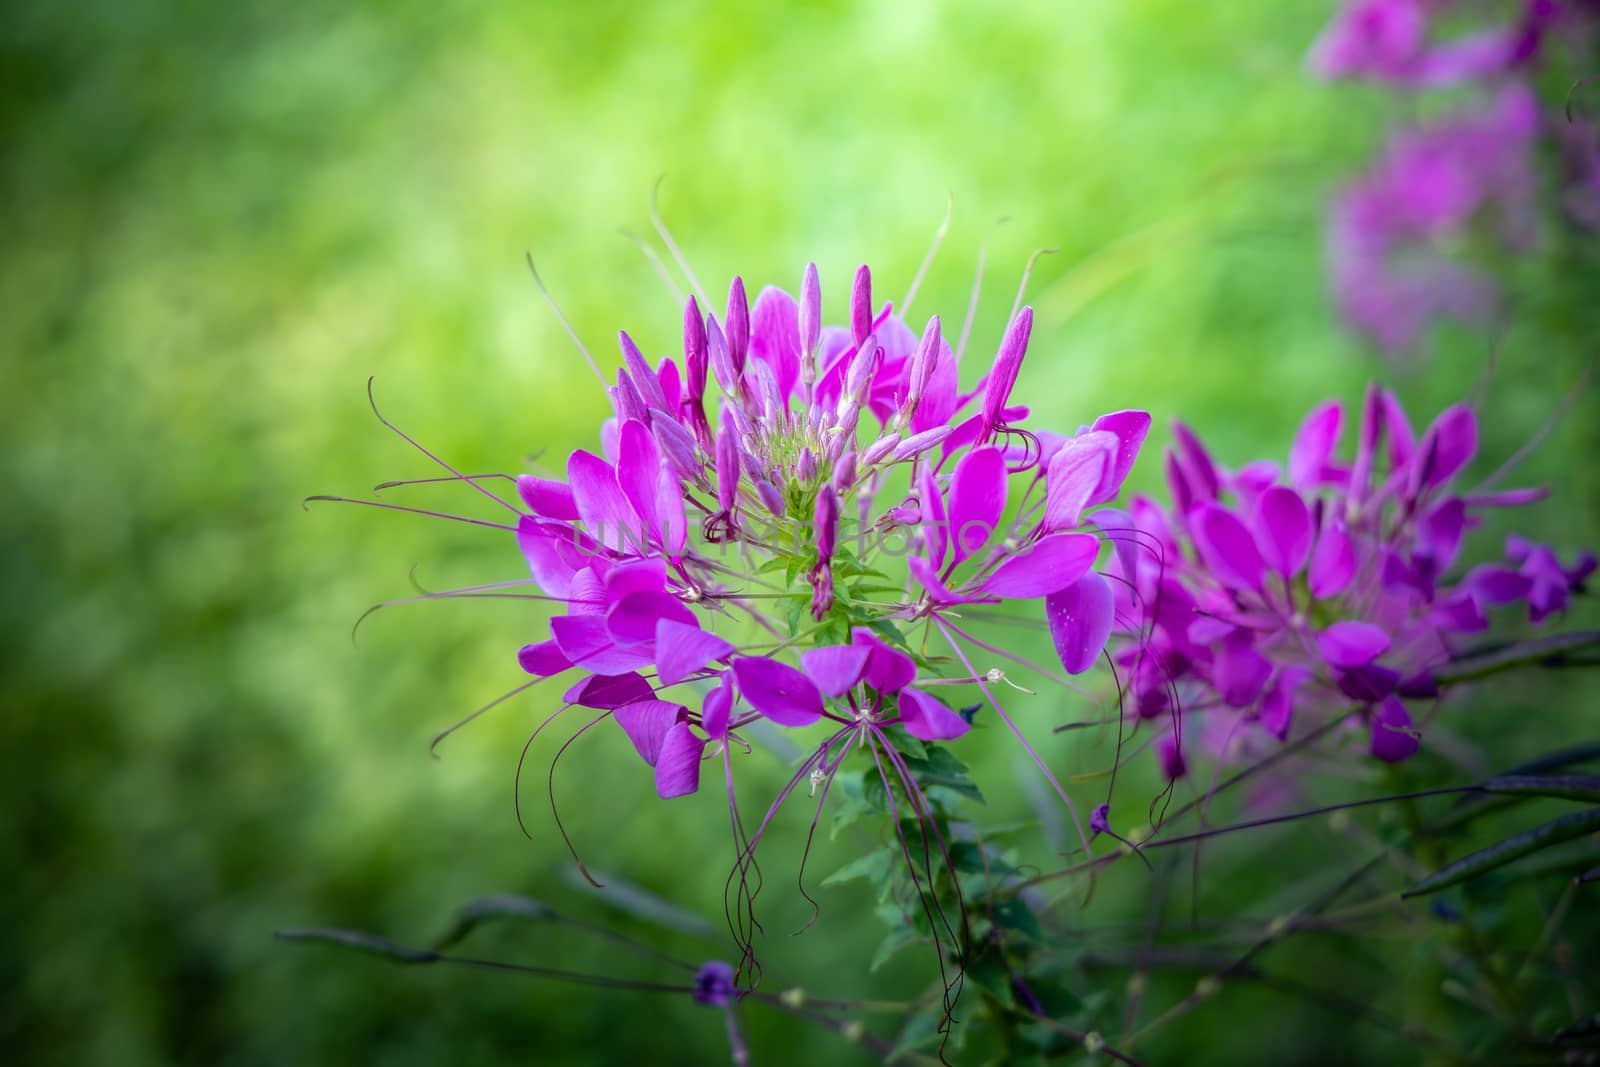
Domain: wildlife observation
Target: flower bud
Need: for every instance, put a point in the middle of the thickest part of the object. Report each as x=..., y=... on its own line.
x=737, y=332
x=879, y=449
x=918, y=443
x=861, y=305
x=1003, y=375
x=810, y=323
x=844, y=473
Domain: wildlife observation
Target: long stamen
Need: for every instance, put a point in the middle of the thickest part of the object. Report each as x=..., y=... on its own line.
x=657, y=265
x=565, y=325
x=672, y=246
x=401, y=507
x=1032, y=753
x=927, y=259
x=496, y=702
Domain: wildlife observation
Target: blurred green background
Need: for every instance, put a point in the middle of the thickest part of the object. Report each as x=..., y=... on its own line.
x=221, y=219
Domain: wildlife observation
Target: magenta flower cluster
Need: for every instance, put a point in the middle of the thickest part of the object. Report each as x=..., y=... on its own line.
x=1470, y=177
x=717, y=561
x=1265, y=591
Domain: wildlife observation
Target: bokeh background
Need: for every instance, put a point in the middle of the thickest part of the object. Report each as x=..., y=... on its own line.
x=221, y=219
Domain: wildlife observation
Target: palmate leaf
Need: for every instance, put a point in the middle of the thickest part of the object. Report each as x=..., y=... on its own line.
x=1512, y=848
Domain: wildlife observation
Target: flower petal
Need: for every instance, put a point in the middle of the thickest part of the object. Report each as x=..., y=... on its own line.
x=1284, y=526
x=678, y=768
x=1333, y=564
x=682, y=649
x=1451, y=442
x=717, y=709
x=1313, y=445
x=1080, y=621
x=583, y=640
x=638, y=466
x=977, y=499
x=647, y=723
x=888, y=669
x=601, y=503
x=633, y=618
x=778, y=691
x=1131, y=428
x=1277, y=707
x=1393, y=736
x=935, y=532
x=1078, y=469
x=927, y=718
x=1229, y=548
x=1054, y=563
x=546, y=498
x=1240, y=671
x=543, y=659
x=835, y=669
x=1352, y=644
x=775, y=336
x=610, y=690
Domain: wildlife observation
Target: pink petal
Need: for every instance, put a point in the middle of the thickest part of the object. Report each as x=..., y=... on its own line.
x=1393, y=736
x=682, y=649
x=552, y=557
x=1496, y=585
x=1313, y=445
x=1352, y=644
x=888, y=669
x=1333, y=564
x=1131, y=428
x=633, y=619
x=1240, y=671
x=1078, y=469
x=925, y=576
x=977, y=499
x=1284, y=526
x=835, y=669
x=935, y=532
x=1454, y=441
x=1080, y=619
x=718, y=709
x=678, y=768
x=601, y=503
x=778, y=691
x=670, y=512
x=638, y=466
x=1228, y=547
x=775, y=336
x=546, y=498
x=1054, y=563
x=543, y=659
x=635, y=576
x=1277, y=707
x=647, y=722
x=610, y=690
x=583, y=640
x=927, y=718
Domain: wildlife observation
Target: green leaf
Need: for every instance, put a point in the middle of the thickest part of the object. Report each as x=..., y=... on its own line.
x=908, y=746
x=1512, y=848
x=921, y=1029
x=876, y=867
x=897, y=938
x=493, y=906
x=1567, y=786
x=363, y=941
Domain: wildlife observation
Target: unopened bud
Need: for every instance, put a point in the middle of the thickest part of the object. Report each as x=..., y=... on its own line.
x=880, y=449
x=737, y=332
